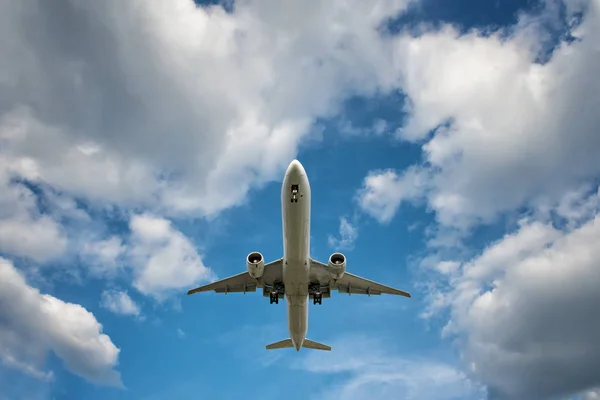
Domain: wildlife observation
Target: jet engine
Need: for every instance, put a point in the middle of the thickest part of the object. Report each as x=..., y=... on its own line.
x=337, y=265
x=256, y=265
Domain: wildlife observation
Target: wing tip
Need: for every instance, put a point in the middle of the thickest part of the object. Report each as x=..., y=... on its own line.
x=192, y=291
x=402, y=293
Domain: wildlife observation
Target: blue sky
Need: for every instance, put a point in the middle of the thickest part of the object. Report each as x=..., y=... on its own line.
x=452, y=154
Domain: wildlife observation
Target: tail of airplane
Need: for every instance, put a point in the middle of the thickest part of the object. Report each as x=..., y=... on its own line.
x=308, y=344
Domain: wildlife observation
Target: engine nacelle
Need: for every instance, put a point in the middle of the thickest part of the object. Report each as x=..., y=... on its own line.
x=256, y=264
x=337, y=265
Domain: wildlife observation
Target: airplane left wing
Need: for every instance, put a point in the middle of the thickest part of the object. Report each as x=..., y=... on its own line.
x=243, y=282
x=353, y=284
x=349, y=283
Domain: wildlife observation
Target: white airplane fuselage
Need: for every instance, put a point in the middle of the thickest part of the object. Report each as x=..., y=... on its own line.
x=295, y=207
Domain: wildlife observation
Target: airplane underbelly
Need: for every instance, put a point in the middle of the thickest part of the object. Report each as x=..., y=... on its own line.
x=296, y=263
x=297, y=317
x=297, y=236
x=296, y=277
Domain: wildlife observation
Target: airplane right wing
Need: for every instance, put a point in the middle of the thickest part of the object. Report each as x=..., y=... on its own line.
x=242, y=283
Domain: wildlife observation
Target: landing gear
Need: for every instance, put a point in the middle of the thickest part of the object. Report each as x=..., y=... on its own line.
x=277, y=289
x=318, y=298
x=294, y=198
x=315, y=290
x=274, y=298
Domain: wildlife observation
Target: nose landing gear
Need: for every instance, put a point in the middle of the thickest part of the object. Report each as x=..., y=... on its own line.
x=294, y=198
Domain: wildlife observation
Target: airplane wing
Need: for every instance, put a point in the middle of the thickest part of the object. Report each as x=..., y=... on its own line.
x=242, y=283
x=350, y=283
x=353, y=284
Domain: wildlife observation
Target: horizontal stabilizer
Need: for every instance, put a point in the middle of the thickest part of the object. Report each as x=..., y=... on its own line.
x=309, y=344
x=282, y=344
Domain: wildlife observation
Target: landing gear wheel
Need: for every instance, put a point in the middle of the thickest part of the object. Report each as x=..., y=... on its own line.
x=274, y=298
x=318, y=298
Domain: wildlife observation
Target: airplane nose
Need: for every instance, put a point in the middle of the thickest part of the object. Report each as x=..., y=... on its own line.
x=295, y=169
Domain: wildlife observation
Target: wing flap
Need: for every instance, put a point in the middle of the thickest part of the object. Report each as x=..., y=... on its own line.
x=236, y=289
x=349, y=289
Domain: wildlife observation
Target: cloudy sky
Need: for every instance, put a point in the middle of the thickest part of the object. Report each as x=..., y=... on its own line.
x=453, y=151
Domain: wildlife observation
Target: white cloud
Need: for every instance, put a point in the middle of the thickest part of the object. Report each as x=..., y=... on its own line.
x=24, y=231
x=163, y=259
x=507, y=131
x=37, y=238
x=33, y=324
x=525, y=310
x=29, y=369
x=383, y=192
x=348, y=234
x=158, y=257
x=378, y=128
x=103, y=256
x=518, y=134
x=591, y=395
x=518, y=130
x=174, y=107
x=447, y=267
x=64, y=207
x=180, y=333
x=375, y=372
x=120, y=303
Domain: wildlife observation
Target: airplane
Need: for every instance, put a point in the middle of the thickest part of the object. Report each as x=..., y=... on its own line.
x=296, y=276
